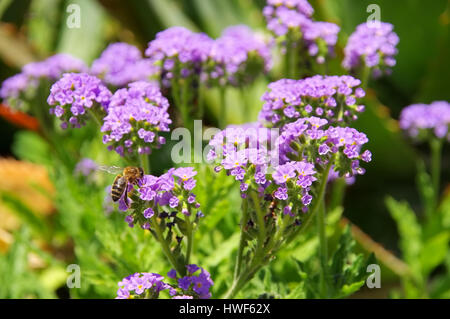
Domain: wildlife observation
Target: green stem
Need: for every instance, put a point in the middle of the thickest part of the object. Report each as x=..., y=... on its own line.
x=200, y=97
x=365, y=75
x=165, y=247
x=323, y=248
x=145, y=163
x=318, y=201
x=184, y=105
x=180, y=97
x=223, y=108
x=294, y=63
x=245, y=107
x=95, y=117
x=242, y=241
x=189, y=240
x=337, y=193
x=436, y=149
x=257, y=261
x=287, y=58
x=260, y=221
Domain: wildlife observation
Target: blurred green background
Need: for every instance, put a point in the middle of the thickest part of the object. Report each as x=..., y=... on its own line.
x=34, y=29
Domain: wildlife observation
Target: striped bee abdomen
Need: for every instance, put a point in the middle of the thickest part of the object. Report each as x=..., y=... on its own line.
x=118, y=187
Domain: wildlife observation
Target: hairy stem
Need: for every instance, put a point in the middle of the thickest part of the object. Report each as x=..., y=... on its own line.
x=323, y=248
x=145, y=163
x=242, y=241
x=365, y=76
x=436, y=149
x=190, y=240
x=223, y=108
x=165, y=247
x=200, y=100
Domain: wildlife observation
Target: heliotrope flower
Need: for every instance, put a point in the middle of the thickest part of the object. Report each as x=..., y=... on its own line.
x=372, y=45
x=421, y=121
x=13, y=86
x=85, y=167
x=141, y=285
x=178, y=53
x=331, y=97
x=54, y=66
x=193, y=284
x=299, y=7
x=74, y=94
x=293, y=27
x=320, y=39
x=314, y=140
x=254, y=163
x=170, y=192
x=21, y=87
x=122, y=63
x=237, y=57
x=136, y=116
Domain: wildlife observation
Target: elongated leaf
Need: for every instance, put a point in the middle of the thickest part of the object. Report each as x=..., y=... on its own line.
x=25, y=213
x=409, y=230
x=85, y=41
x=434, y=252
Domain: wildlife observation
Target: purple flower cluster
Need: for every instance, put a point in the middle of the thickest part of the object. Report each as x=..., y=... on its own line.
x=301, y=174
x=299, y=7
x=195, y=285
x=73, y=94
x=85, y=167
x=19, y=86
x=373, y=46
x=246, y=154
x=320, y=39
x=141, y=285
x=178, y=53
x=311, y=139
x=422, y=120
x=134, y=119
x=170, y=191
x=15, y=85
x=53, y=67
x=237, y=57
x=290, y=21
x=122, y=63
x=192, y=285
x=333, y=97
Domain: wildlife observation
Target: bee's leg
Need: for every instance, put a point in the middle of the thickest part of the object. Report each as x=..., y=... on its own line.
x=126, y=197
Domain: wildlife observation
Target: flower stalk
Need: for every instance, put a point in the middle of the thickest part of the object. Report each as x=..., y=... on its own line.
x=436, y=150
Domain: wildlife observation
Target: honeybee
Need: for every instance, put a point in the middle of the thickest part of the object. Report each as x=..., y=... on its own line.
x=128, y=175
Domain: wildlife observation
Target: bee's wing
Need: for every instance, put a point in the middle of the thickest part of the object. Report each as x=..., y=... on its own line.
x=111, y=169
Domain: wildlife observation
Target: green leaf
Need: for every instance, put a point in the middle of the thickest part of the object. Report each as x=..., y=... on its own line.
x=267, y=279
x=30, y=147
x=340, y=256
x=425, y=187
x=86, y=41
x=222, y=252
x=434, y=252
x=409, y=231
x=171, y=14
x=298, y=292
x=43, y=28
x=3, y=6
x=25, y=213
x=350, y=289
